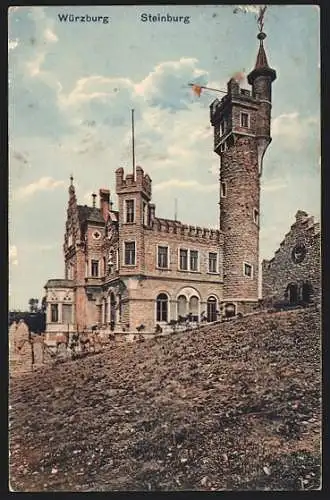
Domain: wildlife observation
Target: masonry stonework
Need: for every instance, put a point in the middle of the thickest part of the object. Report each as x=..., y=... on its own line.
x=241, y=121
x=293, y=275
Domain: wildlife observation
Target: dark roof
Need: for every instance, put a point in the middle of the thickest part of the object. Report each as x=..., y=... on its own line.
x=59, y=283
x=261, y=67
x=91, y=214
x=261, y=61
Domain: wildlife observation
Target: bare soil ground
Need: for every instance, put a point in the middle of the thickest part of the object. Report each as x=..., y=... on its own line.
x=234, y=406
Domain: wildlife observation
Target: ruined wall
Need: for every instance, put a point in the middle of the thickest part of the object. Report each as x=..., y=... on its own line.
x=20, y=349
x=285, y=267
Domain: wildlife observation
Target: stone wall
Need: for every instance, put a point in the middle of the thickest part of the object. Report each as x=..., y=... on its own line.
x=297, y=261
x=239, y=172
x=20, y=349
x=141, y=308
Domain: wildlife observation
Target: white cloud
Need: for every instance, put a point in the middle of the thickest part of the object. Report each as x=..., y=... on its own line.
x=12, y=44
x=274, y=185
x=181, y=184
x=34, y=66
x=292, y=129
x=43, y=184
x=95, y=87
x=169, y=78
x=50, y=35
x=13, y=253
x=87, y=197
x=45, y=34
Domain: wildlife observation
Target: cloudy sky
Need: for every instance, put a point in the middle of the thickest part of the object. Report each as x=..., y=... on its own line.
x=72, y=86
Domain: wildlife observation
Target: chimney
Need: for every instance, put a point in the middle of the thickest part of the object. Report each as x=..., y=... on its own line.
x=104, y=203
x=232, y=87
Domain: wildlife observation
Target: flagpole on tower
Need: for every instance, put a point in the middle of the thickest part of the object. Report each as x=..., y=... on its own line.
x=133, y=145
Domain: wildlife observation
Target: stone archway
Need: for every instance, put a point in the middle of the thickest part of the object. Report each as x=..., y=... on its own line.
x=182, y=306
x=113, y=307
x=230, y=310
x=194, y=308
x=211, y=309
x=292, y=293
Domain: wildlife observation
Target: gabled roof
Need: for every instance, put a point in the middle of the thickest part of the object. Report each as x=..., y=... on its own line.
x=91, y=214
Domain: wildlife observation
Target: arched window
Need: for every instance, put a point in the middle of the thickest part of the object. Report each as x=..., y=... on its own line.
x=182, y=305
x=105, y=310
x=193, y=308
x=162, y=307
x=292, y=293
x=230, y=310
x=112, y=308
x=211, y=309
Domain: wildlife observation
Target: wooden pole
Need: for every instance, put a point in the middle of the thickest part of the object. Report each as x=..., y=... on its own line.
x=133, y=145
x=207, y=88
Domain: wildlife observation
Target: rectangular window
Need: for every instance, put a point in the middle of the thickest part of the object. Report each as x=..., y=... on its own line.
x=117, y=260
x=162, y=257
x=130, y=253
x=245, y=120
x=247, y=270
x=54, y=313
x=256, y=216
x=145, y=214
x=67, y=314
x=222, y=128
x=223, y=189
x=213, y=262
x=95, y=268
x=193, y=260
x=183, y=259
x=129, y=211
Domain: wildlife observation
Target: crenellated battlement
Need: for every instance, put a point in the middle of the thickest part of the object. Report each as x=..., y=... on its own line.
x=185, y=230
x=141, y=182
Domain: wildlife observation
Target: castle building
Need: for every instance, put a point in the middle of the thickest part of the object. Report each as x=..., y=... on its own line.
x=128, y=267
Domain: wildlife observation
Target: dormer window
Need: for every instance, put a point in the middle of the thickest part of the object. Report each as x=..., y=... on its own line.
x=245, y=120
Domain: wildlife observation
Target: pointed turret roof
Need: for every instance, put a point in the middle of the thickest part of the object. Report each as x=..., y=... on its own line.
x=261, y=67
x=261, y=61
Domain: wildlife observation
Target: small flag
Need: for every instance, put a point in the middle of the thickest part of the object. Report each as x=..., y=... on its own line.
x=197, y=90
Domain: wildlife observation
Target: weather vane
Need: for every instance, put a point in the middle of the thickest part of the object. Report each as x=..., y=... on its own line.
x=260, y=19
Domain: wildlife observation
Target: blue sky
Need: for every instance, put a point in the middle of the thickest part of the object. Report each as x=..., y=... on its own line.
x=71, y=89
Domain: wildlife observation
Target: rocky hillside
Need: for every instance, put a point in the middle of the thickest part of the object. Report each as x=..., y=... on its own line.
x=232, y=406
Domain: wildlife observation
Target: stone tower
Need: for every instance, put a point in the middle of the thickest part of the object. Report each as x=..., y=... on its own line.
x=135, y=209
x=241, y=121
